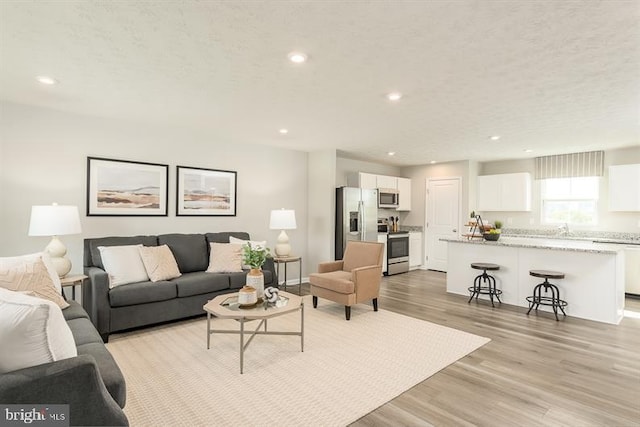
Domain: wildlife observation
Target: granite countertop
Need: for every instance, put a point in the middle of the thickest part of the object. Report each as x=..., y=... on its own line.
x=546, y=243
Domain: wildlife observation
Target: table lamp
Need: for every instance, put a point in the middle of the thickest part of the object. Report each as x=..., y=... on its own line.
x=283, y=219
x=54, y=220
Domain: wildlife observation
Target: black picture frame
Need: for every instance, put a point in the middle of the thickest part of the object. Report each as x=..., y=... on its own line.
x=126, y=188
x=206, y=192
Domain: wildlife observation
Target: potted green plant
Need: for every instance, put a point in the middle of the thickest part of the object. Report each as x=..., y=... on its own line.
x=255, y=257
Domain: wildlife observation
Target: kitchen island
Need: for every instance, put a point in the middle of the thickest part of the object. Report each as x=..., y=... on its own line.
x=594, y=272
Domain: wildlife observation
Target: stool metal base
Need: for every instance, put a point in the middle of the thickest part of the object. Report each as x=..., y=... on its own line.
x=553, y=301
x=490, y=288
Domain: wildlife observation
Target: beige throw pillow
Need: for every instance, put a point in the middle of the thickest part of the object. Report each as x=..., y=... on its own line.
x=225, y=258
x=159, y=262
x=29, y=273
x=255, y=244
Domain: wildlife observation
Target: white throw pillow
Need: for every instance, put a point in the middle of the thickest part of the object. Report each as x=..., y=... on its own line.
x=159, y=262
x=256, y=244
x=123, y=264
x=32, y=332
x=30, y=273
x=225, y=258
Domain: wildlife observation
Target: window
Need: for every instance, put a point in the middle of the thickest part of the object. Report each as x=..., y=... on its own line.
x=570, y=200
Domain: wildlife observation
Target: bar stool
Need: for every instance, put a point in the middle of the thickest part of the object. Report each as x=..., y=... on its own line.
x=490, y=288
x=554, y=300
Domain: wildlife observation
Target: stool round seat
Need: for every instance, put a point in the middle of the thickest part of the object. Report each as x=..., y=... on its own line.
x=485, y=283
x=484, y=266
x=546, y=274
x=538, y=299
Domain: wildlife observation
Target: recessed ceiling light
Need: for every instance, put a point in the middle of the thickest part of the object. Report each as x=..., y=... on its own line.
x=394, y=96
x=391, y=153
x=494, y=137
x=46, y=80
x=528, y=150
x=432, y=161
x=284, y=131
x=297, y=57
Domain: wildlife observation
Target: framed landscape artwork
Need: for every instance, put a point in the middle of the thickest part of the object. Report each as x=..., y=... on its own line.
x=205, y=192
x=126, y=188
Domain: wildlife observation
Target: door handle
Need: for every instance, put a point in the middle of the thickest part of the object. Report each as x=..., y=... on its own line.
x=454, y=230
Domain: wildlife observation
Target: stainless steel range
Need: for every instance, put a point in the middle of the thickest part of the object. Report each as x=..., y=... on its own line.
x=397, y=252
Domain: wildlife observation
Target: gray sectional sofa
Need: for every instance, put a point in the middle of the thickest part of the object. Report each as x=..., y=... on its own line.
x=90, y=383
x=146, y=303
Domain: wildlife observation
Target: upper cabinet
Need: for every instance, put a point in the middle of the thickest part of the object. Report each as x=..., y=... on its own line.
x=367, y=180
x=404, y=191
x=624, y=188
x=373, y=181
x=509, y=192
x=389, y=182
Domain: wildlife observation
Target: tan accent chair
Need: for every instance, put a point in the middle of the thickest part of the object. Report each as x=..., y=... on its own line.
x=354, y=279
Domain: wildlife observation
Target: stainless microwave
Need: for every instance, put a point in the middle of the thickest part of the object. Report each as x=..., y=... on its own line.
x=388, y=198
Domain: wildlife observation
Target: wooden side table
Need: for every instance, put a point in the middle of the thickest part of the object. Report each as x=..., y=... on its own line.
x=73, y=280
x=286, y=260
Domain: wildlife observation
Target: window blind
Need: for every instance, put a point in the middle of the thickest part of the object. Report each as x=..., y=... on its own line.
x=590, y=163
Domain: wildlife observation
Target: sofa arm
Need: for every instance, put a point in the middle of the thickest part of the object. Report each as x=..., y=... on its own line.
x=75, y=381
x=95, y=299
x=367, y=282
x=326, y=267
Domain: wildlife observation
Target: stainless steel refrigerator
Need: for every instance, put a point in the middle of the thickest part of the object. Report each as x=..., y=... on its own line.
x=356, y=217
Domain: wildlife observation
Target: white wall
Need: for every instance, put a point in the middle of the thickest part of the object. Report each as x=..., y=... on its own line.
x=321, y=190
x=607, y=221
x=44, y=156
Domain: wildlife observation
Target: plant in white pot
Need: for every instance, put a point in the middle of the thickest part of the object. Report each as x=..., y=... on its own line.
x=255, y=257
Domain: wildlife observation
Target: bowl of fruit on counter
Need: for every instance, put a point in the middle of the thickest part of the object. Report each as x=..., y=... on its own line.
x=493, y=233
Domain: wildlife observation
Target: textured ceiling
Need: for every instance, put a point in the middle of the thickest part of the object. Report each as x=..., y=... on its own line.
x=552, y=76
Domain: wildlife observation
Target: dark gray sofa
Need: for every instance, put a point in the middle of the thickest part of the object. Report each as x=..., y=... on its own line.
x=90, y=383
x=146, y=303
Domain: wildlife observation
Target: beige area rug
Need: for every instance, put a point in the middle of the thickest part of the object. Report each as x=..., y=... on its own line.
x=347, y=370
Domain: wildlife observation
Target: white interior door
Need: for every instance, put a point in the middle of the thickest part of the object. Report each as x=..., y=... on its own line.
x=443, y=219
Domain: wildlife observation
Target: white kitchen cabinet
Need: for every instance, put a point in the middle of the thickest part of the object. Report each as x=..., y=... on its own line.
x=404, y=192
x=368, y=180
x=385, y=181
x=509, y=192
x=415, y=250
x=382, y=238
x=624, y=188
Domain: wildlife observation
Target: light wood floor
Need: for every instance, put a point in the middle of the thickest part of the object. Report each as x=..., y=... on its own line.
x=534, y=372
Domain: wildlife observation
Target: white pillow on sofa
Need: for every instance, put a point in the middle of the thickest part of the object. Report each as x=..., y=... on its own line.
x=256, y=244
x=123, y=264
x=32, y=332
x=33, y=272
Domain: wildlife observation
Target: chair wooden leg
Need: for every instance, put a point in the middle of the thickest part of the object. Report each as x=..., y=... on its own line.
x=375, y=304
x=347, y=312
x=315, y=301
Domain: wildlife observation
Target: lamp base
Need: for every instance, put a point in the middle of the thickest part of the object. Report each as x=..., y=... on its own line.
x=283, y=248
x=57, y=251
x=62, y=266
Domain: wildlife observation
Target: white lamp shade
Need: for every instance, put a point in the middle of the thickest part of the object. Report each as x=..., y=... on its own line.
x=54, y=220
x=283, y=219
